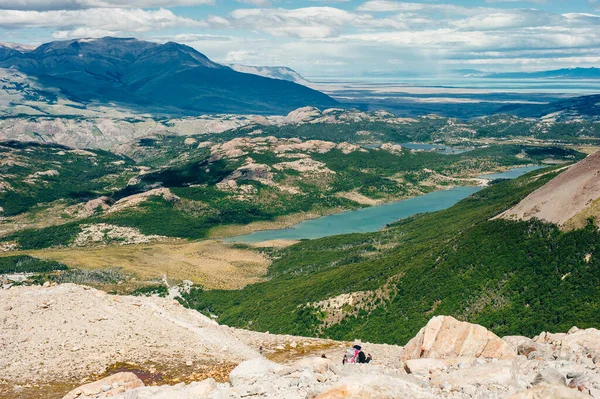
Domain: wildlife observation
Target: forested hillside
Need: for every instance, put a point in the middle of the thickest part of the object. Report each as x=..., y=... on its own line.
x=512, y=277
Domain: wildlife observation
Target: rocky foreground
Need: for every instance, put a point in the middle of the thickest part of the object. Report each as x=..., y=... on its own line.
x=67, y=334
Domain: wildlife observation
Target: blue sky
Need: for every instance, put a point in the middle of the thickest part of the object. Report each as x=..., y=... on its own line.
x=334, y=37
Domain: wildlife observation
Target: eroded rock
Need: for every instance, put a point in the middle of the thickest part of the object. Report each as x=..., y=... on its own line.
x=445, y=337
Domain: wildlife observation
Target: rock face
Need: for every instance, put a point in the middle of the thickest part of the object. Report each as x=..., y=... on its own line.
x=445, y=337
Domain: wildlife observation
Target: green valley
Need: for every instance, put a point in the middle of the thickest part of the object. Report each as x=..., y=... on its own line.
x=512, y=277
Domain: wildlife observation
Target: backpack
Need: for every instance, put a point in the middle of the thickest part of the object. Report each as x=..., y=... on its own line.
x=362, y=358
x=351, y=355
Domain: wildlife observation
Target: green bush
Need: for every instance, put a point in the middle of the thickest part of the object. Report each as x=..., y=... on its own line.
x=28, y=264
x=150, y=290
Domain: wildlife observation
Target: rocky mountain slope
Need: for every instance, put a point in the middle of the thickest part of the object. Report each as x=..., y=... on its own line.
x=154, y=78
x=568, y=200
x=58, y=337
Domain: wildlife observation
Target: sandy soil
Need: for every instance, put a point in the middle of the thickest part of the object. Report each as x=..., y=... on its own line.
x=274, y=243
x=358, y=198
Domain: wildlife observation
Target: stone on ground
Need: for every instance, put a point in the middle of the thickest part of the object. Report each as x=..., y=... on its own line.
x=445, y=337
x=106, y=387
x=376, y=387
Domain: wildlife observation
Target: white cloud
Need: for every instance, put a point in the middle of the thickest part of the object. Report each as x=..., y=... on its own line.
x=506, y=20
x=97, y=20
x=400, y=6
x=257, y=3
x=309, y=22
x=378, y=34
x=82, y=33
x=517, y=1
x=46, y=5
x=240, y=56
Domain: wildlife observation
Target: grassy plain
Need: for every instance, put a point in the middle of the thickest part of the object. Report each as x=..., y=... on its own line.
x=208, y=263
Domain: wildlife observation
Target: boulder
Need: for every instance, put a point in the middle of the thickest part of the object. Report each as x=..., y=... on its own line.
x=204, y=389
x=504, y=373
x=423, y=368
x=107, y=387
x=550, y=392
x=445, y=337
x=550, y=376
x=368, y=386
x=249, y=371
x=587, y=383
x=314, y=364
x=575, y=342
x=529, y=348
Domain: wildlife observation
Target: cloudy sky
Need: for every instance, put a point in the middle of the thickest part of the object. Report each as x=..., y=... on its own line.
x=334, y=37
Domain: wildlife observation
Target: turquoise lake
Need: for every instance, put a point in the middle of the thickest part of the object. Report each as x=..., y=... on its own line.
x=375, y=217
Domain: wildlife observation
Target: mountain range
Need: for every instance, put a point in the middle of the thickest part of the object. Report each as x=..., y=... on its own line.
x=168, y=78
x=564, y=73
x=570, y=108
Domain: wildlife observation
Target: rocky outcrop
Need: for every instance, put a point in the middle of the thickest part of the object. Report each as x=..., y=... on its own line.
x=104, y=233
x=445, y=337
x=136, y=199
x=302, y=115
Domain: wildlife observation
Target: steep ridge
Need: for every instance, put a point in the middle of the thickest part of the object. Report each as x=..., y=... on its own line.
x=565, y=197
x=166, y=78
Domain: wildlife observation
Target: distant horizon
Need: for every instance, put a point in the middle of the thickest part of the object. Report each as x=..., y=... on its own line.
x=334, y=37
x=400, y=74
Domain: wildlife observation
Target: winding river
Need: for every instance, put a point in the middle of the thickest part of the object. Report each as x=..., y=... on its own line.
x=375, y=217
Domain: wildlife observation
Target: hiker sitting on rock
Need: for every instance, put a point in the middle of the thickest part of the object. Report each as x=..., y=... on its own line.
x=356, y=355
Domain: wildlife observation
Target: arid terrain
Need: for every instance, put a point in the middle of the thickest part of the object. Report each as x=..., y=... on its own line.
x=568, y=200
x=57, y=337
